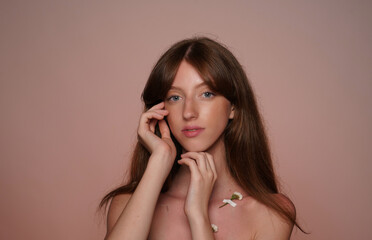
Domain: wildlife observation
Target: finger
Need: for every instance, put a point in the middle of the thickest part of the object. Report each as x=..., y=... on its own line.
x=164, y=129
x=158, y=106
x=152, y=125
x=192, y=166
x=207, y=165
x=198, y=157
x=157, y=114
x=211, y=163
x=160, y=111
x=147, y=123
x=148, y=116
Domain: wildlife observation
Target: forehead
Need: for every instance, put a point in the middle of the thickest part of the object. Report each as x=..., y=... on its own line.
x=187, y=77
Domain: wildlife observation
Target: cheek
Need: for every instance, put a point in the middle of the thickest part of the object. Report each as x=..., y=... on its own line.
x=220, y=121
x=219, y=117
x=221, y=112
x=171, y=119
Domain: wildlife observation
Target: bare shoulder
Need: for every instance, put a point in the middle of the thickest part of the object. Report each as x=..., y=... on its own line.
x=117, y=206
x=268, y=223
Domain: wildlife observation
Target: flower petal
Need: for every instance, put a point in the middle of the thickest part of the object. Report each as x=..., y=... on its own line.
x=237, y=195
x=214, y=228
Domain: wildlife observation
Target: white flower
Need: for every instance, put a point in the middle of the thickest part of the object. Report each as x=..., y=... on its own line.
x=214, y=228
x=237, y=195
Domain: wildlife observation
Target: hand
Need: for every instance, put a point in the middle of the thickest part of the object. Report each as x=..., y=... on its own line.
x=147, y=136
x=203, y=177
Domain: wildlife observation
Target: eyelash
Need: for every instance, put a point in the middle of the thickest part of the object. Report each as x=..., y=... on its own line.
x=171, y=98
x=204, y=94
x=209, y=93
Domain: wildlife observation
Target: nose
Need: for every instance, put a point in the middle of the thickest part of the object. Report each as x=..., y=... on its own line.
x=190, y=110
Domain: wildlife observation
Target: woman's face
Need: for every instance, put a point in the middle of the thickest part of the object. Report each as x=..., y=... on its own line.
x=197, y=116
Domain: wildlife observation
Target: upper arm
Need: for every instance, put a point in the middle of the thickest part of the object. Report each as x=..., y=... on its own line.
x=117, y=206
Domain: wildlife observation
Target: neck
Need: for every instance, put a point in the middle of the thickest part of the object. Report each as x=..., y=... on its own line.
x=225, y=184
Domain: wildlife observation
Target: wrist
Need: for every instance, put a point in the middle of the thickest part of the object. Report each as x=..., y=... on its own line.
x=197, y=216
x=200, y=226
x=160, y=163
x=161, y=154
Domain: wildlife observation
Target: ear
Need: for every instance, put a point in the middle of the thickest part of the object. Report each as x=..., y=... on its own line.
x=232, y=111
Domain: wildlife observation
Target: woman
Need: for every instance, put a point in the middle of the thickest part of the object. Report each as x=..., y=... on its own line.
x=200, y=139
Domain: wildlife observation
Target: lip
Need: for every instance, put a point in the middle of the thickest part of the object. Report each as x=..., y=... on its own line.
x=192, y=131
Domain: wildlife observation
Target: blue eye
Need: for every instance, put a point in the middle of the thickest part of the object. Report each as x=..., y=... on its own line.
x=208, y=94
x=174, y=98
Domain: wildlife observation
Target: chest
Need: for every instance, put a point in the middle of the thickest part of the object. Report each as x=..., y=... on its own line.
x=170, y=222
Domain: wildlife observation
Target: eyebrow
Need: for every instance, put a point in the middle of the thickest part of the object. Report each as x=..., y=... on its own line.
x=197, y=86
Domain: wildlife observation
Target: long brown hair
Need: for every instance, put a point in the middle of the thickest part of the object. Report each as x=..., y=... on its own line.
x=247, y=149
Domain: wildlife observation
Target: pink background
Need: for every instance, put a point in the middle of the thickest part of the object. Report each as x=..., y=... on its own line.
x=71, y=77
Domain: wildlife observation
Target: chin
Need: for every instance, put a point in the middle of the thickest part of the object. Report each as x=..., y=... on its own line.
x=194, y=148
x=201, y=144
x=198, y=147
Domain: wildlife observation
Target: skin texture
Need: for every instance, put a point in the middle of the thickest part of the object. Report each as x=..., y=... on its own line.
x=188, y=208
